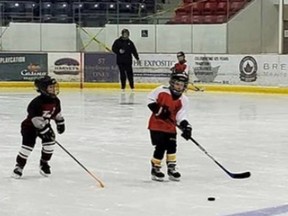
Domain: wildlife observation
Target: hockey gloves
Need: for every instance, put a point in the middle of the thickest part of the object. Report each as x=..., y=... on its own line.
x=46, y=133
x=186, y=130
x=60, y=126
x=161, y=112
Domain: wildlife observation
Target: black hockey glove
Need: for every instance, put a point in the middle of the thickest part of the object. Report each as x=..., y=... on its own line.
x=60, y=126
x=46, y=133
x=186, y=129
x=172, y=69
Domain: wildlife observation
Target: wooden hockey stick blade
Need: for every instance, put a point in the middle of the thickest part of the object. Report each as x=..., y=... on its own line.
x=97, y=179
x=91, y=174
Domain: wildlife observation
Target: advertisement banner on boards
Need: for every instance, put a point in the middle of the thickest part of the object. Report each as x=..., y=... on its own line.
x=153, y=68
x=64, y=66
x=214, y=68
x=261, y=70
x=274, y=70
x=100, y=67
x=22, y=66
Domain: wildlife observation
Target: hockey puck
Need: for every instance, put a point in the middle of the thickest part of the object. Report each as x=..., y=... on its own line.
x=211, y=198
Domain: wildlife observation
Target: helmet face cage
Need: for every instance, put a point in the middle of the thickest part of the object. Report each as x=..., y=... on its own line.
x=47, y=86
x=176, y=81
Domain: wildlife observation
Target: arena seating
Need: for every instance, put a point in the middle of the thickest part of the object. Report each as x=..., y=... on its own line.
x=207, y=11
x=100, y=12
x=67, y=11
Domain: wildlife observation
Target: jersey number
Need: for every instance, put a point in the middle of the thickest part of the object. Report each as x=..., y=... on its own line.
x=48, y=113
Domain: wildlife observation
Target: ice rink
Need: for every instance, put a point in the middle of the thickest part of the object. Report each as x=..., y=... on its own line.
x=108, y=133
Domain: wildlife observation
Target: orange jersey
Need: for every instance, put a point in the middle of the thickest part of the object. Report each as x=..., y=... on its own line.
x=181, y=68
x=178, y=108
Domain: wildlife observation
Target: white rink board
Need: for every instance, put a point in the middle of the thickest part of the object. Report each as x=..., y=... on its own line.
x=256, y=70
x=67, y=71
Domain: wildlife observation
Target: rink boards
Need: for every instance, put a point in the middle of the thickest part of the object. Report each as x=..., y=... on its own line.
x=213, y=72
x=149, y=86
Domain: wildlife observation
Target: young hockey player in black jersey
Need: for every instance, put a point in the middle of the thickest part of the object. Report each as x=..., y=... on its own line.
x=41, y=111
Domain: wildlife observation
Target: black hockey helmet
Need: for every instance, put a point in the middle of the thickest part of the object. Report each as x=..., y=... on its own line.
x=43, y=83
x=178, y=83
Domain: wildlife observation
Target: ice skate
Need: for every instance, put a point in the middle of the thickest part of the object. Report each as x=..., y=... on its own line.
x=173, y=174
x=156, y=173
x=45, y=168
x=17, y=172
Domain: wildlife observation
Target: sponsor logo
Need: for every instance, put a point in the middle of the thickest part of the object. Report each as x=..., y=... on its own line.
x=153, y=63
x=205, y=72
x=33, y=70
x=14, y=59
x=66, y=66
x=248, y=69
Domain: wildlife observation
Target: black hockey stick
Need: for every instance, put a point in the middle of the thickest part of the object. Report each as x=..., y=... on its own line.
x=91, y=174
x=232, y=175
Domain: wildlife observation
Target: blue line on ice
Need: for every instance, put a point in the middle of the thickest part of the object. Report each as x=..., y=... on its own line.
x=264, y=212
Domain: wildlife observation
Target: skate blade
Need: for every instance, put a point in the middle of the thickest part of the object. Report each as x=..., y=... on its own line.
x=154, y=178
x=44, y=174
x=15, y=176
x=171, y=178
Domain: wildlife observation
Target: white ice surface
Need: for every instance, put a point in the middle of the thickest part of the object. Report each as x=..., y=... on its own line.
x=242, y=132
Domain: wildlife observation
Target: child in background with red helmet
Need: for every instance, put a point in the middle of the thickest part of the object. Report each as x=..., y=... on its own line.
x=181, y=66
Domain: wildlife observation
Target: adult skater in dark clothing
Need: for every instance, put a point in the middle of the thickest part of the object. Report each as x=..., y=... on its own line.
x=41, y=110
x=124, y=48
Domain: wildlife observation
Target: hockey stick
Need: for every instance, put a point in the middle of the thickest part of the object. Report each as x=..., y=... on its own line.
x=195, y=88
x=91, y=174
x=232, y=175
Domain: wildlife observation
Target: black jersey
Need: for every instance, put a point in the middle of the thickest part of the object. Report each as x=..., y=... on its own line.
x=42, y=107
x=124, y=49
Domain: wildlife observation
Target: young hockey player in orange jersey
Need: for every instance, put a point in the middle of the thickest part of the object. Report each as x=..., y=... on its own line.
x=181, y=66
x=169, y=107
x=41, y=111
